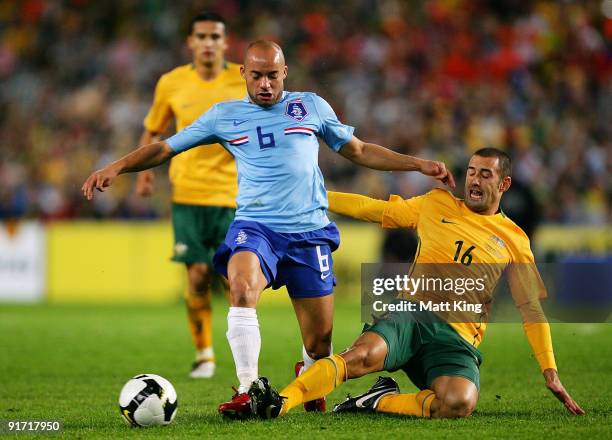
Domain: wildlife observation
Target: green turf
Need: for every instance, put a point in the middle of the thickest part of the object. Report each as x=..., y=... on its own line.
x=69, y=362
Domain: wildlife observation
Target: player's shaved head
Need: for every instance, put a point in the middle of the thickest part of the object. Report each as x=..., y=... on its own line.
x=265, y=71
x=264, y=50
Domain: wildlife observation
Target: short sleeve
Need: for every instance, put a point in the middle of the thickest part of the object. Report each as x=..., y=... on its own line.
x=402, y=213
x=160, y=114
x=334, y=133
x=201, y=132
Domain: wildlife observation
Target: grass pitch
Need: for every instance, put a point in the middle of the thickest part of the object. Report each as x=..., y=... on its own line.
x=69, y=363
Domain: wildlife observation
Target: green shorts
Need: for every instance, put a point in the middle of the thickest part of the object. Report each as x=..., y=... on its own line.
x=426, y=349
x=198, y=231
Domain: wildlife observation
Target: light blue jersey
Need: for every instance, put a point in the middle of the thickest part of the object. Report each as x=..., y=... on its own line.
x=276, y=148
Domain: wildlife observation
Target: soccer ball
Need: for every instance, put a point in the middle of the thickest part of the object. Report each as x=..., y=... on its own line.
x=148, y=400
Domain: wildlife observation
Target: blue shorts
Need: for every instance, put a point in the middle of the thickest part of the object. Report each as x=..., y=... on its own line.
x=301, y=261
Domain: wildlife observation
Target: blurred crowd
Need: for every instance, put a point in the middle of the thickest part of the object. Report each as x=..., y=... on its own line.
x=436, y=78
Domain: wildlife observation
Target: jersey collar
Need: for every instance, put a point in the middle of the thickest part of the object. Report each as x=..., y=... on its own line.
x=216, y=80
x=468, y=212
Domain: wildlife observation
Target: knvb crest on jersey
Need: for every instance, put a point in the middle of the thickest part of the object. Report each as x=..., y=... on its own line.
x=296, y=110
x=241, y=238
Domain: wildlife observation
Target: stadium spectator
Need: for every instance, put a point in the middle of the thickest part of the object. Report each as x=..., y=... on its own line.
x=437, y=79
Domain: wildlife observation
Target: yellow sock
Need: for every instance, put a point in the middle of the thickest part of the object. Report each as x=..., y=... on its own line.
x=418, y=404
x=318, y=381
x=199, y=316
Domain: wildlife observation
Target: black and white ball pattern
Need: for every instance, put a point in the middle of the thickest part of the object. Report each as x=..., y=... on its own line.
x=148, y=400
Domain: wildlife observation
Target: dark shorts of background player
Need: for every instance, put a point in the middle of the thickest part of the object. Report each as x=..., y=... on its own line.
x=198, y=231
x=301, y=261
x=425, y=348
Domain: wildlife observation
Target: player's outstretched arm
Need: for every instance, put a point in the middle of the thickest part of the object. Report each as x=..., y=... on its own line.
x=146, y=178
x=145, y=157
x=540, y=340
x=381, y=158
x=527, y=288
x=356, y=206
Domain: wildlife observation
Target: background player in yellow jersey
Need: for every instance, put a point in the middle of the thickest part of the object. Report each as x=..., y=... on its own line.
x=441, y=359
x=203, y=180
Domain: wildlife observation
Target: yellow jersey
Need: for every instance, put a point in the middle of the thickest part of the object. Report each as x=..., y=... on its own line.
x=453, y=236
x=200, y=176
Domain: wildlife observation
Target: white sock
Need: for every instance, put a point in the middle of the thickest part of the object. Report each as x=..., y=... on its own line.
x=205, y=354
x=308, y=361
x=245, y=342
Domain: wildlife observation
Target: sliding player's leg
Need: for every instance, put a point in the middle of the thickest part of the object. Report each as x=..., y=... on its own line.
x=375, y=349
x=366, y=355
x=455, y=396
x=446, y=397
x=404, y=339
x=445, y=369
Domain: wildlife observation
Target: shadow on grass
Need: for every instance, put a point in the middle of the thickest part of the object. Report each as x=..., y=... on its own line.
x=560, y=413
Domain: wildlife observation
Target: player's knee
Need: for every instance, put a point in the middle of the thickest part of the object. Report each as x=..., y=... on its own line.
x=359, y=360
x=457, y=405
x=243, y=291
x=198, y=302
x=319, y=346
x=199, y=276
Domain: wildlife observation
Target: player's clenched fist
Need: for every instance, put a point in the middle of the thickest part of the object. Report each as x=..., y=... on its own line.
x=438, y=171
x=100, y=180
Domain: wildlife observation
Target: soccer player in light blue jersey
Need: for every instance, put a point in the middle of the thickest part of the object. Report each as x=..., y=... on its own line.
x=281, y=235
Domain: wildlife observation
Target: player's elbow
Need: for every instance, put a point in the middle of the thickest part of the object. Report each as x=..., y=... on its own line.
x=165, y=151
x=532, y=313
x=354, y=150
